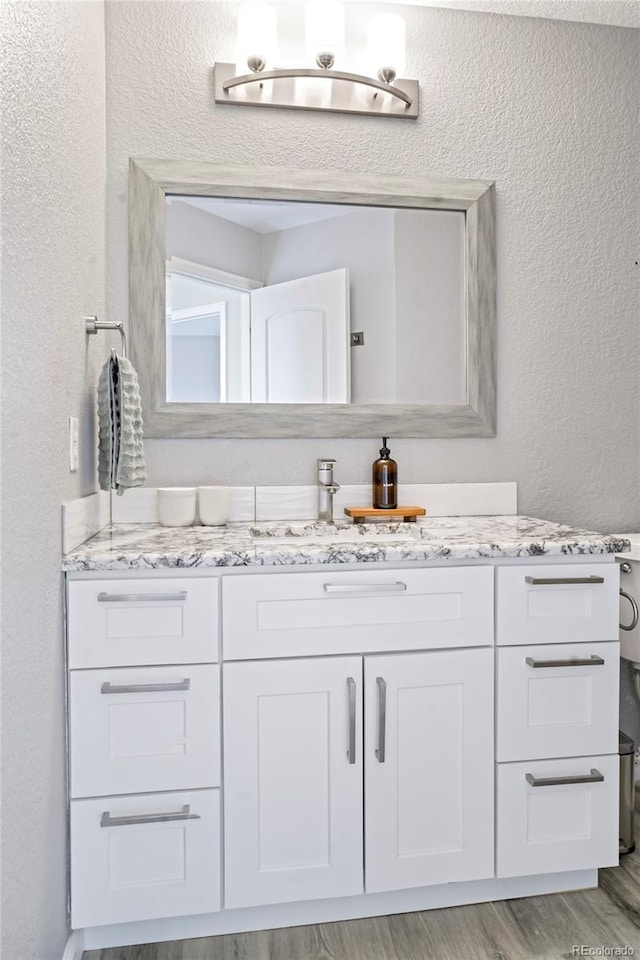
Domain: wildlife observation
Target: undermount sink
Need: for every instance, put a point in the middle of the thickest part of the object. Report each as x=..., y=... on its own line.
x=324, y=534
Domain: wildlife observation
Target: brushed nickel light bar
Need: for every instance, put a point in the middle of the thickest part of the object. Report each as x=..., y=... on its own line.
x=306, y=88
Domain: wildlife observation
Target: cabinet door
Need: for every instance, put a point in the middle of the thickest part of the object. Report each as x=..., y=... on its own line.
x=428, y=768
x=292, y=780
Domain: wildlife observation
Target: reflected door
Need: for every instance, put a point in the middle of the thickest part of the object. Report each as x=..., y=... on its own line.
x=300, y=340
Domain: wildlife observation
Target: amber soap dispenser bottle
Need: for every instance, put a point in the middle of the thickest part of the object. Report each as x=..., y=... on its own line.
x=385, y=480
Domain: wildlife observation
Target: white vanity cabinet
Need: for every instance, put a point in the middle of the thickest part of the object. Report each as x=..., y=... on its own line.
x=375, y=739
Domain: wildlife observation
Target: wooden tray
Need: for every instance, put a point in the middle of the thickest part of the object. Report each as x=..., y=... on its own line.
x=408, y=514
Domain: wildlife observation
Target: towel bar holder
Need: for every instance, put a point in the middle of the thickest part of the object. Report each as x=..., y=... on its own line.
x=92, y=325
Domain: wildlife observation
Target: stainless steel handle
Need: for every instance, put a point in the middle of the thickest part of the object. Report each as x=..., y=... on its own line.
x=106, y=820
x=397, y=587
x=142, y=597
x=351, y=691
x=594, y=777
x=592, y=661
x=382, y=719
x=145, y=687
x=536, y=581
x=634, y=609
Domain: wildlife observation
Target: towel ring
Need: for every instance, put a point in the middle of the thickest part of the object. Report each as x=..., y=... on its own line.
x=634, y=611
x=92, y=325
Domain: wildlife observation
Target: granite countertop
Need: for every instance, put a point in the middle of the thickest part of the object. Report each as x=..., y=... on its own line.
x=150, y=546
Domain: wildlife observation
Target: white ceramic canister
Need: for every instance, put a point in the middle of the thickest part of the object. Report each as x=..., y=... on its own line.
x=176, y=506
x=213, y=505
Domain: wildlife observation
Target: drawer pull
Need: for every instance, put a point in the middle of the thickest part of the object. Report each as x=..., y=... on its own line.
x=145, y=687
x=594, y=777
x=634, y=612
x=592, y=661
x=382, y=719
x=106, y=820
x=179, y=597
x=537, y=581
x=351, y=751
x=397, y=587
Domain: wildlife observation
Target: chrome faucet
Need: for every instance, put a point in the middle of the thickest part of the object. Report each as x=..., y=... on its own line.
x=326, y=490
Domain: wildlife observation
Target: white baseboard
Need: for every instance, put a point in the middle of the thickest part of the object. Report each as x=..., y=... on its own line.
x=330, y=911
x=75, y=946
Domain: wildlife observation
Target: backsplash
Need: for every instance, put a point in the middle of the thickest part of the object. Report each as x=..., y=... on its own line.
x=84, y=517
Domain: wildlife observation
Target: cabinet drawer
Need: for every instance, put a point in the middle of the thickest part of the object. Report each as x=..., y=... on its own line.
x=557, y=603
x=557, y=701
x=126, y=622
x=301, y=614
x=151, y=728
x=548, y=828
x=137, y=858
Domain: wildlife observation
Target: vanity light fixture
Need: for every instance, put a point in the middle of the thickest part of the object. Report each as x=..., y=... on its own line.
x=318, y=86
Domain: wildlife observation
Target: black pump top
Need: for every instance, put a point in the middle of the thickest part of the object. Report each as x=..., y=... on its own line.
x=384, y=452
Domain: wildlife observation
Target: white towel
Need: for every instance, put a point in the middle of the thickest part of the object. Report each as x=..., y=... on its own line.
x=121, y=462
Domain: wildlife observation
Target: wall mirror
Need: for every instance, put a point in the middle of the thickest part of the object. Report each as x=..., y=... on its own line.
x=274, y=302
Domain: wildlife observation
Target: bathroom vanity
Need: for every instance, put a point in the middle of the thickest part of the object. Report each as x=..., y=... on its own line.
x=273, y=724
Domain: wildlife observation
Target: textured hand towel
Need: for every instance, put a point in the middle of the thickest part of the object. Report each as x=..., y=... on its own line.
x=106, y=426
x=130, y=467
x=121, y=462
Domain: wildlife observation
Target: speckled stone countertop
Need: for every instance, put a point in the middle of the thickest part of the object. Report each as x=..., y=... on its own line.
x=150, y=546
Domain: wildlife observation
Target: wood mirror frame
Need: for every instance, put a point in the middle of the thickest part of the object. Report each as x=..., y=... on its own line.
x=150, y=181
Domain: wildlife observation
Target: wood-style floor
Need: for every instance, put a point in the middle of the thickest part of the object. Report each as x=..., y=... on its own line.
x=552, y=927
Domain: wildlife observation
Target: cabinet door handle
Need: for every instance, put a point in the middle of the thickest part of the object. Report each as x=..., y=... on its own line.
x=592, y=661
x=351, y=691
x=145, y=687
x=397, y=587
x=179, y=597
x=106, y=820
x=536, y=581
x=594, y=777
x=382, y=719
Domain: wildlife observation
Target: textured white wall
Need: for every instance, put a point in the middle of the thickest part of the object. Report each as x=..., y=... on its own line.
x=53, y=222
x=549, y=111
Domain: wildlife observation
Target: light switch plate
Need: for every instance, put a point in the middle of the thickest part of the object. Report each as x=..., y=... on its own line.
x=74, y=444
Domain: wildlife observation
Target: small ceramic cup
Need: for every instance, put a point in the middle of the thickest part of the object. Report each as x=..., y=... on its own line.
x=176, y=506
x=213, y=504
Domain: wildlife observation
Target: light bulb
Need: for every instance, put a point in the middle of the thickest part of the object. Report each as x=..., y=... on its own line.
x=325, y=32
x=257, y=29
x=386, y=42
